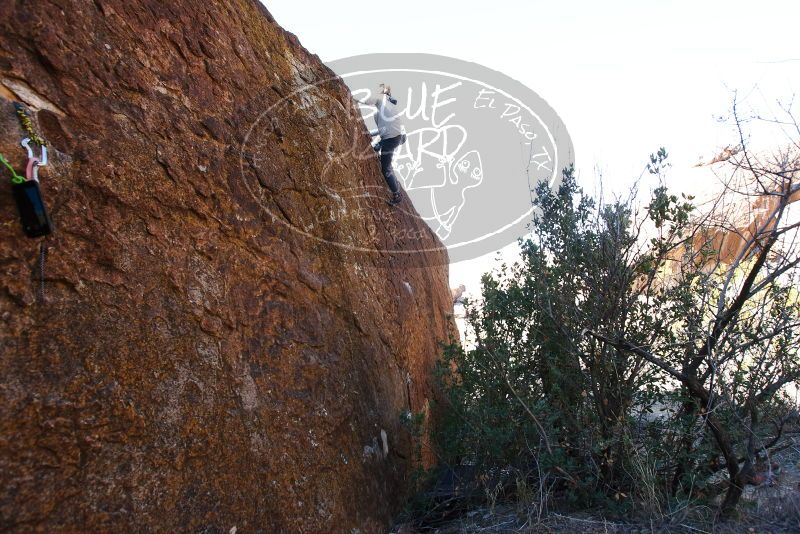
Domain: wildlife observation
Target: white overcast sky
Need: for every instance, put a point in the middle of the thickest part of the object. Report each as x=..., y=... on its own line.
x=626, y=77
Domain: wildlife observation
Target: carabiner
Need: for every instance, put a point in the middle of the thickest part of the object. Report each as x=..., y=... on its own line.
x=32, y=169
x=27, y=144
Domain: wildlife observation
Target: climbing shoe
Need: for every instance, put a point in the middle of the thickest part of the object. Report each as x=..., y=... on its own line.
x=396, y=198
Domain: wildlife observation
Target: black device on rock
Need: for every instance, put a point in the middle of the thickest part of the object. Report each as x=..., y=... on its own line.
x=35, y=220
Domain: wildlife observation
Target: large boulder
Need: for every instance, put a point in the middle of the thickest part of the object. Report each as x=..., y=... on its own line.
x=195, y=348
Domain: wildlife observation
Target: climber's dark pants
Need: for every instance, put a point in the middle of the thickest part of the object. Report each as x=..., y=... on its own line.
x=386, y=147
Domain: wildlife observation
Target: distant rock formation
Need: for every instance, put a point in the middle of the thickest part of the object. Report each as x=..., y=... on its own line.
x=730, y=221
x=196, y=363
x=724, y=155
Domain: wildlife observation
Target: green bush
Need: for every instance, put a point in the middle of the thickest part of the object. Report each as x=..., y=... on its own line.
x=574, y=348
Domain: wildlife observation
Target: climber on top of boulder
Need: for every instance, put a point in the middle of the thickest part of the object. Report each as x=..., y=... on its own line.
x=390, y=128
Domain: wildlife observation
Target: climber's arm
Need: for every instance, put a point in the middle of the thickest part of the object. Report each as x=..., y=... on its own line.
x=367, y=101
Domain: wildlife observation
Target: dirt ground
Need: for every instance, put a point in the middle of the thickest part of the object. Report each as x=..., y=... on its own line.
x=771, y=508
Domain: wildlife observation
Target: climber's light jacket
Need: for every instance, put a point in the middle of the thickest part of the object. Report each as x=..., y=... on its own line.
x=387, y=118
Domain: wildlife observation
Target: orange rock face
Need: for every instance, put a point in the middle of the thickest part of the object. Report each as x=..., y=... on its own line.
x=196, y=362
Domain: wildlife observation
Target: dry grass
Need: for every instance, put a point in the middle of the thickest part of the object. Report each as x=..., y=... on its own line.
x=507, y=521
x=771, y=508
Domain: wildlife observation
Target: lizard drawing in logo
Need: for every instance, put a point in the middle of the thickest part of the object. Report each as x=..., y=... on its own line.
x=466, y=173
x=436, y=177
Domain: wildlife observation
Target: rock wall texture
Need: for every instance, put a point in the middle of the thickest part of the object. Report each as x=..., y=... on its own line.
x=197, y=363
